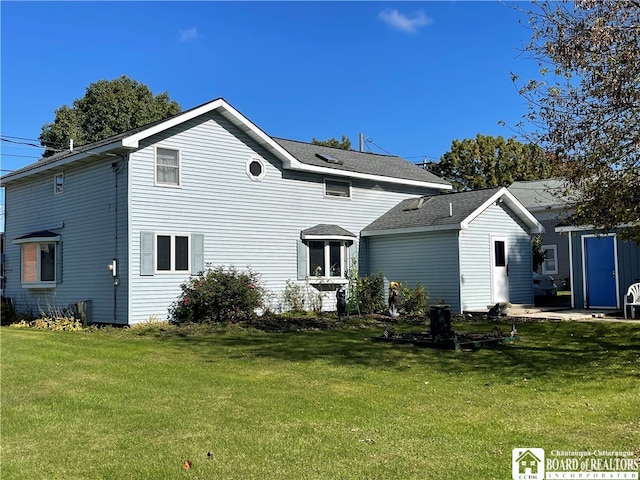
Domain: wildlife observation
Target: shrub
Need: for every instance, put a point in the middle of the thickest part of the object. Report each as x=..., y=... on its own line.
x=68, y=324
x=293, y=297
x=370, y=293
x=218, y=295
x=413, y=301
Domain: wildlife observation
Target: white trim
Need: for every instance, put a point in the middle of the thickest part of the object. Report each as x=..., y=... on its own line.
x=571, y=275
x=289, y=162
x=402, y=231
x=504, y=195
x=55, y=183
x=172, y=253
x=336, y=238
x=339, y=181
x=40, y=283
x=492, y=241
x=155, y=167
x=554, y=247
x=327, y=260
x=263, y=168
x=582, y=228
x=20, y=241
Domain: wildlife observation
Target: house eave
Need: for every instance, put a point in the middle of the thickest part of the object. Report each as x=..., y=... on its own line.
x=114, y=149
x=504, y=195
x=583, y=228
x=403, y=231
x=364, y=176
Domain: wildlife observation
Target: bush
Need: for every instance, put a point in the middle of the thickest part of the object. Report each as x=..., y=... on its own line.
x=218, y=295
x=293, y=297
x=67, y=324
x=413, y=301
x=370, y=293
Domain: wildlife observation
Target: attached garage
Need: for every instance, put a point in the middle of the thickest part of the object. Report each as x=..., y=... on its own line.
x=469, y=249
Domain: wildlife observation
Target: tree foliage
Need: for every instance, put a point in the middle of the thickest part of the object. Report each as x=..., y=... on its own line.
x=109, y=107
x=345, y=144
x=487, y=161
x=586, y=105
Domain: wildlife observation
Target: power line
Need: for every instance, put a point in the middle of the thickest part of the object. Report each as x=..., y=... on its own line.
x=16, y=155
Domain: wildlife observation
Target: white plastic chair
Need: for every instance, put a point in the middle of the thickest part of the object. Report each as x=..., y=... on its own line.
x=634, y=293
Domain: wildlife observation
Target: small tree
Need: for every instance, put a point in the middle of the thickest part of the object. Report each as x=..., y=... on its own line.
x=537, y=252
x=219, y=295
x=345, y=144
x=413, y=301
x=370, y=293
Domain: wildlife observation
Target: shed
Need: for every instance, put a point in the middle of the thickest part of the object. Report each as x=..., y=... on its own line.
x=469, y=249
x=602, y=266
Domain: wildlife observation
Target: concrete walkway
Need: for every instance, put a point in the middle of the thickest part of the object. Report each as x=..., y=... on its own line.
x=560, y=313
x=571, y=314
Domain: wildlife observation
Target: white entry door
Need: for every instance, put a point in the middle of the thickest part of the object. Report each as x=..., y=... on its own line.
x=500, y=269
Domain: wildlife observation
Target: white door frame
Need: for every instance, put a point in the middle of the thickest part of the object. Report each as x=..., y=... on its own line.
x=499, y=274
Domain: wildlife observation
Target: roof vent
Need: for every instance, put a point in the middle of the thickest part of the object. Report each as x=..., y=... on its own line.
x=329, y=158
x=414, y=204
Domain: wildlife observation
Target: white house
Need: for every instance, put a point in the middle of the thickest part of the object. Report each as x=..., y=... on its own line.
x=469, y=249
x=120, y=224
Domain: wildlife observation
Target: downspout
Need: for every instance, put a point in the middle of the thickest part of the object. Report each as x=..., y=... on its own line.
x=116, y=167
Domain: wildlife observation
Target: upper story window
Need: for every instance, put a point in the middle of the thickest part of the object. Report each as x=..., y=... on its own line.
x=58, y=183
x=255, y=168
x=167, y=166
x=337, y=188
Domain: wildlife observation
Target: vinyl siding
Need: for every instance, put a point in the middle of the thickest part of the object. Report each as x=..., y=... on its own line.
x=475, y=258
x=628, y=267
x=427, y=258
x=87, y=208
x=245, y=223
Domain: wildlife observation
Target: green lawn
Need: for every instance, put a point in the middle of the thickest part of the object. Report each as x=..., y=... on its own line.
x=327, y=404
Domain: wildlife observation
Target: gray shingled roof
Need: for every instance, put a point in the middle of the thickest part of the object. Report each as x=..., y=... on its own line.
x=434, y=211
x=359, y=162
x=389, y=166
x=540, y=194
x=328, y=230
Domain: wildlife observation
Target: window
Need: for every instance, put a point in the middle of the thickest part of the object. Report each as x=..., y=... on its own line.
x=499, y=253
x=336, y=188
x=39, y=263
x=550, y=263
x=172, y=253
x=167, y=253
x=327, y=258
x=58, y=184
x=167, y=167
x=255, y=168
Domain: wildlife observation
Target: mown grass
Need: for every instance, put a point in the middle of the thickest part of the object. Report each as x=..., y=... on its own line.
x=327, y=404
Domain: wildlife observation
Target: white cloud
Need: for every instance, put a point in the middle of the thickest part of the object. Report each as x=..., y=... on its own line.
x=188, y=34
x=406, y=23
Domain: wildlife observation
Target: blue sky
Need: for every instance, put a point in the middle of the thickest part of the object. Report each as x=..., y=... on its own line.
x=410, y=76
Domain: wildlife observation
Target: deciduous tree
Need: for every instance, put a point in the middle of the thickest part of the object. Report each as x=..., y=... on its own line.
x=109, y=107
x=586, y=105
x=345, y=144
x=487, y=161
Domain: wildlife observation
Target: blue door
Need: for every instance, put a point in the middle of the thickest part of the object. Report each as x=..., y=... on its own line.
x=600, y=272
